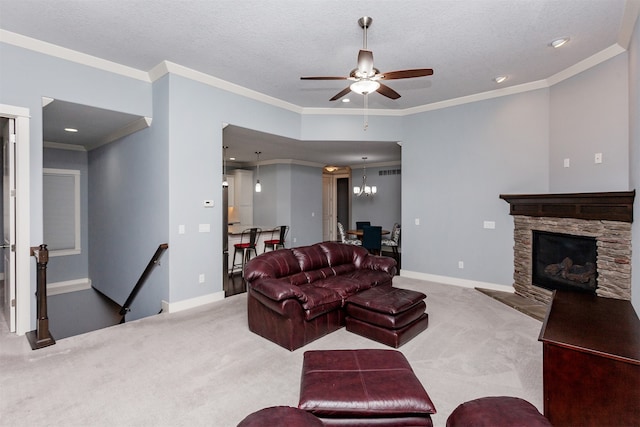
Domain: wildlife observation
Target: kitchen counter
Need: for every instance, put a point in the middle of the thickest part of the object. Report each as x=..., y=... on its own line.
x=237, y=229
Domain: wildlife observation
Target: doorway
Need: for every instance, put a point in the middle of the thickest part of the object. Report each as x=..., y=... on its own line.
x=336, y=202
x=16, y=306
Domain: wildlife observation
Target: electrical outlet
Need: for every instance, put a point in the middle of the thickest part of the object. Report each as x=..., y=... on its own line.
x=201, y=278
x=598, y=158
x=567, y=163
x=460, y=264
x=417, y=221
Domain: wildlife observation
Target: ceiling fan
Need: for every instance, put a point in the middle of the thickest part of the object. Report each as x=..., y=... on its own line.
x=366, y=78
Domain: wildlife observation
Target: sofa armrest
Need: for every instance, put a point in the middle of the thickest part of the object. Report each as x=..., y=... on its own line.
x=278, y=290
x=381, y=263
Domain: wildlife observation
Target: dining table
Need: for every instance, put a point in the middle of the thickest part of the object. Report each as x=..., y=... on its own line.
x=359, y=232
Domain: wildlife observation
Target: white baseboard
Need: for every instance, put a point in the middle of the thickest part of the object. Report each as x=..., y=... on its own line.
x=456, y=281
x=174, y=307
x=57, y=288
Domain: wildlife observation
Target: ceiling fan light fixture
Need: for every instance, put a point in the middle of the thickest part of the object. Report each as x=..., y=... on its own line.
x=364, y=86
x=500, y=79
x=559, y=42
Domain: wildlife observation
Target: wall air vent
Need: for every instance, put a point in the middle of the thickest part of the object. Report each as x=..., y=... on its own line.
x=389, y=172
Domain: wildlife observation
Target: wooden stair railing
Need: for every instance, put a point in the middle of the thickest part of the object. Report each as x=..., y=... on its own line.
x=41, y=337
x=155, y=259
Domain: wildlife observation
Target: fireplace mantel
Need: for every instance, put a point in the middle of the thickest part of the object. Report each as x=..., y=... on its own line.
x=611, y=206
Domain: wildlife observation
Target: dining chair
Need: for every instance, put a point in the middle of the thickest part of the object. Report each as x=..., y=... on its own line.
x=248, y=240
x=361, y=224
x=372, y=239
x=345, y=239
x=275, y=243
x=393, y=241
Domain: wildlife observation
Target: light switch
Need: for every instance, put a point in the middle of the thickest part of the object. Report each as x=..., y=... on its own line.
x=567, y=163
x=490, y=224
x=598, y=158
x=204, y=228
x=181, y=229
x=208, y=203
x=417, y=221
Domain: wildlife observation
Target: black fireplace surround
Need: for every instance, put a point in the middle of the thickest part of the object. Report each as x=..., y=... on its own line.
x=564, y=262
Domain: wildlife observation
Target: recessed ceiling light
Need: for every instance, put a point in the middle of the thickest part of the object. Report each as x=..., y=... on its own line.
x=232, y=158
x=559, y=42
x=345, y=100
x=71, y=130
x=500, y=79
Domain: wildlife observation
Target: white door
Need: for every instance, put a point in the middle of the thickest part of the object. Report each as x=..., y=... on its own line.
x=9, y=223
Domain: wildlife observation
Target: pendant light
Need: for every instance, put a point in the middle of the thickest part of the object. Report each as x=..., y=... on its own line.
x=225, y=183
x=258, y=185
x=365, y=189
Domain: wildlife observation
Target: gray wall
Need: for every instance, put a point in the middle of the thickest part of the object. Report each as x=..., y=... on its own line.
x=27, y=76
x=70, y=267
x=382, y=209
x=589, y=114
x=455, y=163
x=128, y=213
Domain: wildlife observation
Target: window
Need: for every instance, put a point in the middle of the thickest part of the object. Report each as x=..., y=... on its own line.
x=61, y=211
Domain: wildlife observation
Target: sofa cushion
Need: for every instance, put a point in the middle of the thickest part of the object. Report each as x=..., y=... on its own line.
x=310, y=257
x=342, y=285
x=273, y=264
x=341, y=253
x=319, y=300
x=371, y=277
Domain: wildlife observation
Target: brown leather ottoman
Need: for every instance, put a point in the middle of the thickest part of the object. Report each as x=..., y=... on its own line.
x=497, y=411
x=280, y=416
x=363, y=388
x=388, y=315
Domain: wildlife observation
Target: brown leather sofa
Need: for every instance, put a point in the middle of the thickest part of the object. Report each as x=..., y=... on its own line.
x=298, y=295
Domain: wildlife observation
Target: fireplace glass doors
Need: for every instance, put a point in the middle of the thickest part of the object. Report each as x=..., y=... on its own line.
x=564, y=262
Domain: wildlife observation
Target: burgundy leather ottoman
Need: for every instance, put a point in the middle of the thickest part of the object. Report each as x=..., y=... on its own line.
x=497, y=411
x=280, y=416
x=363, y=388
x=388, y=315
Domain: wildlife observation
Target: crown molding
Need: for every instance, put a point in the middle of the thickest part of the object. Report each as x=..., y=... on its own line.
x=629, y=18
x=632, y=10
x=377, y=165
x=166, y=67
x=71, y=55
x=63, y=146
x=585, y=64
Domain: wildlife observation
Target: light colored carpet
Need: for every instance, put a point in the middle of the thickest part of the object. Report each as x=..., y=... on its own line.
x=204, y=367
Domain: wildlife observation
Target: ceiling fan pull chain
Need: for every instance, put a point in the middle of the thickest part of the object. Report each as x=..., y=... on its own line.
x=366, y=111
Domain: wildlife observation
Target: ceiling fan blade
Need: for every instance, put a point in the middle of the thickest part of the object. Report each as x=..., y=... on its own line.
x=365, y=62
x=388, y=92
x=340, y=94
x=323, y=78
x=407, y=74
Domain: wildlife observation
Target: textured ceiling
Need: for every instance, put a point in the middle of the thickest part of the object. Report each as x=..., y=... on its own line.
x=266, y=46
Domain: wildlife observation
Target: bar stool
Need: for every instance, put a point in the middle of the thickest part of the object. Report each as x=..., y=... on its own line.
x=274, y=243
x=248, y=240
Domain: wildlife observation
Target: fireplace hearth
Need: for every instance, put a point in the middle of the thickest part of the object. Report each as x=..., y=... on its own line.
x=596, y=258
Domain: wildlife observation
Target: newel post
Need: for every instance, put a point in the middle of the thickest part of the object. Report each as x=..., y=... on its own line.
x=41, y=337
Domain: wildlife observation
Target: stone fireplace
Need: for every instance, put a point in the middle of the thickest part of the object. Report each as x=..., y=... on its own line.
x=601, y=218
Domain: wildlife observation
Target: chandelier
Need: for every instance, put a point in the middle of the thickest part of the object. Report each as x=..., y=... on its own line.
x=258, y=185
x=364, y=189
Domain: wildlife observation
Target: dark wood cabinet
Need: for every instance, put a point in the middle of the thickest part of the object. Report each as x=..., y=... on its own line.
x=591, y=361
